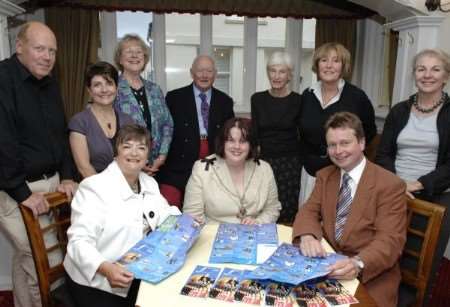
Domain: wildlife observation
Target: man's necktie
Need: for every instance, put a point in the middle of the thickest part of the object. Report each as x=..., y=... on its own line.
x=204, y=107
x=343, y=206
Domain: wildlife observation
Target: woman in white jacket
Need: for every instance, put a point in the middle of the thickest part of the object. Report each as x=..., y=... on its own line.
x=112, y=211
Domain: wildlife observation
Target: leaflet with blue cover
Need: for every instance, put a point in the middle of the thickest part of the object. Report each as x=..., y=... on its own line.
x=241, y=244
x=288, y=265
x=163, y=252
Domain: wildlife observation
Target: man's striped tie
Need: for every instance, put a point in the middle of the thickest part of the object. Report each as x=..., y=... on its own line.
x=343, y=206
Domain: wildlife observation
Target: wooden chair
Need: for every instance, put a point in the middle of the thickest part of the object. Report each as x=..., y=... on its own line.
x=424, y=223
x=59, y=221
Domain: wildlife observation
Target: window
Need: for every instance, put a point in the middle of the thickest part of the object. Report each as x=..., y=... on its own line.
x=227, y=40
x=139, y=23
x=182, y=42
x=222, y=59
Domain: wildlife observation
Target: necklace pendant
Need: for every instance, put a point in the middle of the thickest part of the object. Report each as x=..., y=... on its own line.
x=242, y=213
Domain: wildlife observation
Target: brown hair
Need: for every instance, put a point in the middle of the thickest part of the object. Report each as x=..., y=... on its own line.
x=342, y=53
x=243, y=124
x=346, y=120
x=131, y=38
x=132, y=132
x=104, y=69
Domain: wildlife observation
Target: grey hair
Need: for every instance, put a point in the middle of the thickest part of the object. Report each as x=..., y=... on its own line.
x=280, y=58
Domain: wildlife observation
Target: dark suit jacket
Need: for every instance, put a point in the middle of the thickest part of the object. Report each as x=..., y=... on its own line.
x=184, y=149
x=375, y=229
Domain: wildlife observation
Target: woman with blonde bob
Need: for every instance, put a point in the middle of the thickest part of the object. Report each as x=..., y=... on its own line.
x=143, y=99
x=331, y=94
x=275, y=114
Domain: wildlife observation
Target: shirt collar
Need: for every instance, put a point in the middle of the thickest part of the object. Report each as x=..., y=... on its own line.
x=197, y=91
x=356, y=172
x=25, y=74
x=147, y=186
x=316, y=88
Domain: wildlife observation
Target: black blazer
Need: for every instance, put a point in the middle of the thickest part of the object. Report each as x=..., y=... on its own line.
x=438, y=180
x=184, y=149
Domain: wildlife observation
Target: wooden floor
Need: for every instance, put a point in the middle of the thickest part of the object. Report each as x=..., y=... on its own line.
x=439, y=298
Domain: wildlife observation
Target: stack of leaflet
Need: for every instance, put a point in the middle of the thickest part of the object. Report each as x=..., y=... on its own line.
x=287, y=265
x=163, y=251
x=244, y=244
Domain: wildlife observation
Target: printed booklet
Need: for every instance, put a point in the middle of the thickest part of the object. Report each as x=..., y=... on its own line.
x=163, y=252
x=244, y=244
x=200, y=281
x=287, y=265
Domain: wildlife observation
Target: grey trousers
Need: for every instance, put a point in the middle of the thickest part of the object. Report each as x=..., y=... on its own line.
x=24, y=279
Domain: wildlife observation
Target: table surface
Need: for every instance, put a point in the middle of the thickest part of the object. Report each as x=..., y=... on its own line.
x=166, y=293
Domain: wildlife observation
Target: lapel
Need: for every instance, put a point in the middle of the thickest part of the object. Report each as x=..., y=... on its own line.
x=118, y=181
x=125, y=88
x=192, y=109
x=223, y=175
x=332, y=193
x=213, y=111
x=360, y=201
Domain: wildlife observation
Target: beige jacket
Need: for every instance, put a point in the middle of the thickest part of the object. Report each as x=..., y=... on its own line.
x=211, y=194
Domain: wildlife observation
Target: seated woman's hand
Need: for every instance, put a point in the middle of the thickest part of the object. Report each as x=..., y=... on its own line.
x=413, y=186
x=117, y=275
x=249, y=221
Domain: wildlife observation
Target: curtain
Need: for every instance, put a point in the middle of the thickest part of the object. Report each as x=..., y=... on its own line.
x=337, y=30
x=78, y=36
x=393, y=47
x=252, y=8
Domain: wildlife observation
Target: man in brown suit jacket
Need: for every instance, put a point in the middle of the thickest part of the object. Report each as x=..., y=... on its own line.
x=372, y=231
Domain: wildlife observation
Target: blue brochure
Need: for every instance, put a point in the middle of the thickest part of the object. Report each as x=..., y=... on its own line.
x=288, y=265
x=237, y=243
x=163, y=251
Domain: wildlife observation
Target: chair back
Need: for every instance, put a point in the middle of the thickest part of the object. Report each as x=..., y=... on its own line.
x=55, y=225
x=424, y=223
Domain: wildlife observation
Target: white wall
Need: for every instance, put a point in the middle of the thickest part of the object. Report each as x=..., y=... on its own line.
x=444, y=44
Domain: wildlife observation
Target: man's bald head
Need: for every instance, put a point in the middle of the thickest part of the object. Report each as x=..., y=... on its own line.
x=203, y=72
x=36, y=48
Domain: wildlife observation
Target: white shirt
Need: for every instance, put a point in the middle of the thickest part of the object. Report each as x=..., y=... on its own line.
x=316, y=88
x=355, y=175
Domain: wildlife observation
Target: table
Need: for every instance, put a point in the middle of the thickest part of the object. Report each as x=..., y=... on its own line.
x=166, y=293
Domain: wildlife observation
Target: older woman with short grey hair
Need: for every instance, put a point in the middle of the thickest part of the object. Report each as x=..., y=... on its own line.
x=275, y=114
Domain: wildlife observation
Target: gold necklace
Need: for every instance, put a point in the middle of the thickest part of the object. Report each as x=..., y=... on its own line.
x=103, y=121
x=135, y=187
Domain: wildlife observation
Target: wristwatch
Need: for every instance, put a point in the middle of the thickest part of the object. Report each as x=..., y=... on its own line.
x=359, y=263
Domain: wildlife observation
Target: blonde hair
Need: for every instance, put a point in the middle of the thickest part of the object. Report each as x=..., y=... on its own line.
x=126, y=39
x=439, y=54
x=342, y=53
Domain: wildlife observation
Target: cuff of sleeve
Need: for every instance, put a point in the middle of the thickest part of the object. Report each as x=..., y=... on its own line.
x=19, y=193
